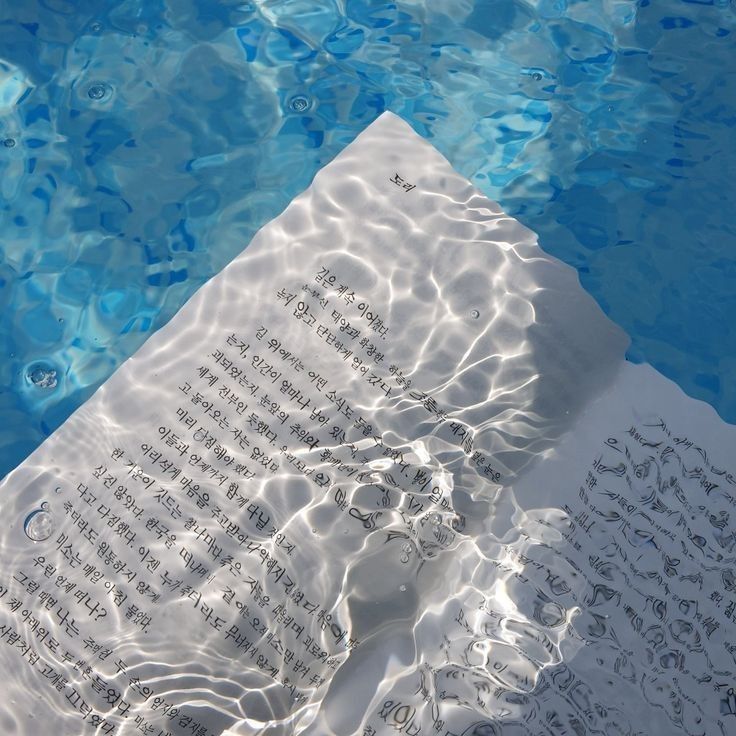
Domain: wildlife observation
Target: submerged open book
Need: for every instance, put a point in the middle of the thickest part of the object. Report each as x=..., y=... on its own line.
x=388, y=472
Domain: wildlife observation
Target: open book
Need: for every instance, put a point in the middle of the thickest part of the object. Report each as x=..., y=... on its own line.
x=387, y=473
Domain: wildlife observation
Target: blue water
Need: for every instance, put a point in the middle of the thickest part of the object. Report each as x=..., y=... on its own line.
x=144, y=142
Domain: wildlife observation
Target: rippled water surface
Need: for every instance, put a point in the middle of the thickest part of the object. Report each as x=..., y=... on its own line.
x=145, y=142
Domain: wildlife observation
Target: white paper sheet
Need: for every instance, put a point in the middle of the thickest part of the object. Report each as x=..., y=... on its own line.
x=339, y=493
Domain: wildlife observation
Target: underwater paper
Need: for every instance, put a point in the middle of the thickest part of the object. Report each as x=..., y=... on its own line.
x=388, y=472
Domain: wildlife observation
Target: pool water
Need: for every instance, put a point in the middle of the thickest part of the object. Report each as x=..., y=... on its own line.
x=143, y=143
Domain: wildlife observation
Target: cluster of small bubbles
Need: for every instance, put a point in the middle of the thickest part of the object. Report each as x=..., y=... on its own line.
x=475, y=314
x=610, y=108
x=9, y=142
x=42, y=376
x=98, y=91
x=406, y=547
x=299, y=103
x=536, y=76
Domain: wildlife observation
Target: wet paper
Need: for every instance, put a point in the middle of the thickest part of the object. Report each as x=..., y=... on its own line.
x=388, y=472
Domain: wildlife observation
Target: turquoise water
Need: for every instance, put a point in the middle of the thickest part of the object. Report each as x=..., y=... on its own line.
x=145, y=142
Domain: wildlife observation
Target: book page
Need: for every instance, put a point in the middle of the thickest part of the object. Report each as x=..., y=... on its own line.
x=601, y=597
x=269, y=515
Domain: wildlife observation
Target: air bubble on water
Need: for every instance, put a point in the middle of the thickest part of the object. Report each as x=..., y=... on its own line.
x=406, y=547
x=402, y=588
x=300, y=103
x=98, y=91
x=45, y=506
x=42, y=376
x=57, y=489
x=436, y=519
x=475, y=314
x=536, y=76
x=39, y=524
x=314, y=531
x=95, y=27
x=9, y=142
x=610, y=108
